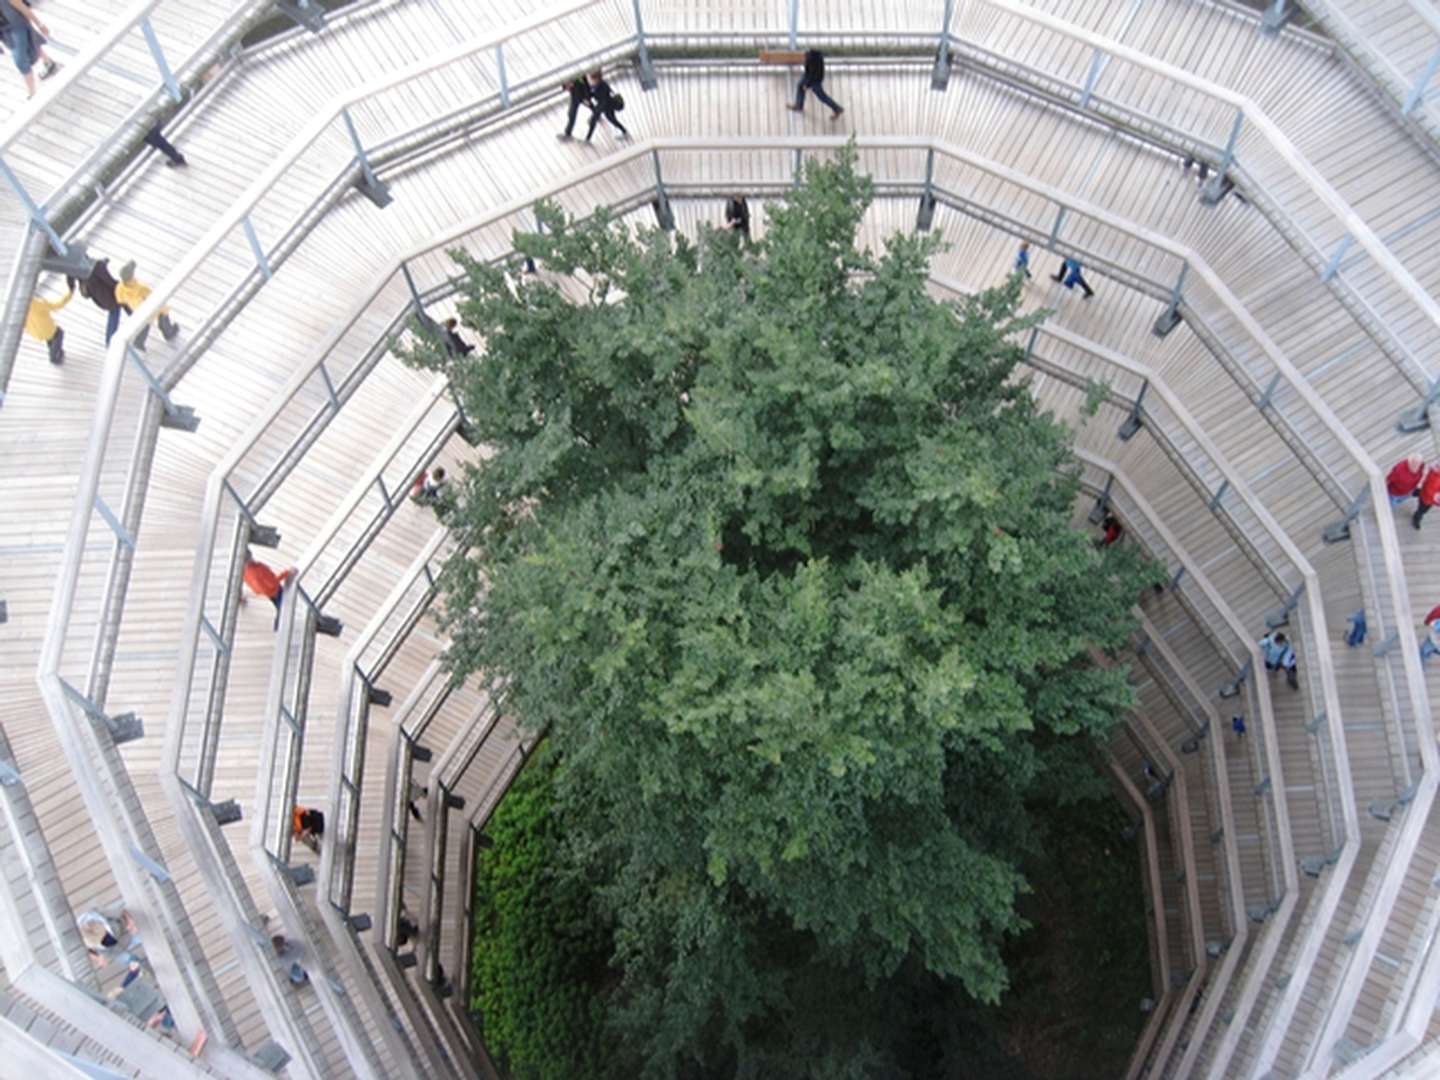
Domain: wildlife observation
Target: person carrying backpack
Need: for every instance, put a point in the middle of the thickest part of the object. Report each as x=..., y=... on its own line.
x=604, y=102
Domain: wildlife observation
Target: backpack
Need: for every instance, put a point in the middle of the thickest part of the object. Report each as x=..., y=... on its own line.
x=619, y=102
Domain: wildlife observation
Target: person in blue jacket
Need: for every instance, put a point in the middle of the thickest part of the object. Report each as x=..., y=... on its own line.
x=1070, y=275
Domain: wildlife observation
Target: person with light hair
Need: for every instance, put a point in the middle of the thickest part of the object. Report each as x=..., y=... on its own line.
x=1404, y=479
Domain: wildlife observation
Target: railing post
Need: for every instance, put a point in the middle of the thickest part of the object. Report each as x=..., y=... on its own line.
x=1170, y=317
x=1333, y=266
x=940, y=73
x=642, y=50
x=1339, y=531
x=1219, y=184
x=663, y=214
x=1097, y=64
x=158, y=53
x=1276, y=15
x=369, y=184
x=1136, y=419
x=259, y=252
x=925, y=216
x=1418, y=418
x=500, y=71
x=1417, y=92
x=794, y=23
x=35, y=214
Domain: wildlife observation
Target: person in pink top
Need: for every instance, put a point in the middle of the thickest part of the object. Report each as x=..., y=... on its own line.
x=1430, y=643
x=1404, y=479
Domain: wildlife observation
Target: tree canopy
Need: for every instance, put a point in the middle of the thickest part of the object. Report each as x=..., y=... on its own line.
x=777, y=551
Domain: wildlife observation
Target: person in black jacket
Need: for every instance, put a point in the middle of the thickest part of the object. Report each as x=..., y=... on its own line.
x=737, y=215
x=812, y=79
x=99, y=288
x=606, y=103
x=579, y=91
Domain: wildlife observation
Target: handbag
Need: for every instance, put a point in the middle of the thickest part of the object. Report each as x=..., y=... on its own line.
x=619, y=102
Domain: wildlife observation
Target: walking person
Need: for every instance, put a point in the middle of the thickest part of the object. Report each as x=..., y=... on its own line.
x=1070, y=274
x=1022, y=260
x=156, y=140
x=99, y=288
x=1112, y=530
x=40, y=324
x=813, y=80
x=25, y=35
x=1403, y=480
x=737, y=215
x=579, y=90
x=1237, y=725
x=131, y=294
x=1430, y=643
x=606, y=103
x=1280, y=656
x=263, y=581
x=455, y=345
x=1429, y=493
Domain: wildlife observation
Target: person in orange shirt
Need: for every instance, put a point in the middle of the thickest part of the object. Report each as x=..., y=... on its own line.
x=263, y=581
x=1429, y=493
x=307, y=825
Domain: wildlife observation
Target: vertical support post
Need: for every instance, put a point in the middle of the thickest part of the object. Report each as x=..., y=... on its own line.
x=1275, y=16
x=36, y=215
x=794, y=23
x=1170, y=317
x=369, y=185
x=260, y=260
x=1136, y=419
x=642, y=50
x=1055, y=229
x=410, y=284
x=925, y=216
x=663, y=214
x=1097, y=64
x=1417, y=92
x=1339, y=531
x=1333, y=266
x=504, y=82
x=1418, y=418
x=940, y=73
x=1219, y=184
x=166, y=75
x=1102, y=503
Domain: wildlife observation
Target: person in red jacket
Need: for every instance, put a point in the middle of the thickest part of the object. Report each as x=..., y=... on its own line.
x=1429, y=494
x=263, y=581
x=1404, y=479
x=1430, y=643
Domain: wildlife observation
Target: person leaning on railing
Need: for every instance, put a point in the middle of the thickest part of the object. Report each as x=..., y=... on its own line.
x=25, y=35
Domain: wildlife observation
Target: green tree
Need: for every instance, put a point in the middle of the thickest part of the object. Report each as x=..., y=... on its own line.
x=778, y=552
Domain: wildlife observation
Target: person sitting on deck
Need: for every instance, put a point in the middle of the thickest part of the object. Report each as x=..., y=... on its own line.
x=308, y=826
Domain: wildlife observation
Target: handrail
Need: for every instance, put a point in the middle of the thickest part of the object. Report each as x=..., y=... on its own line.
x=65, y=589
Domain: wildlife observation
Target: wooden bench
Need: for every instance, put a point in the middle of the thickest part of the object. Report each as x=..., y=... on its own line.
x=782, y=56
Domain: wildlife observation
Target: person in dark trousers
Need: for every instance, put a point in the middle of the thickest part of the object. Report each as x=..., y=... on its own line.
x=455, y=345
x=813, y=79
x=22, y=32
x=1237, y=724
x=174, y=159
x=307, y=826
x=99, y=289
x=263, y=581
x=40, y=324
x=131, y=294
x=579, y=91
x=604, y=102
x=1429, y=493
x=737, y=215
x=1070, y=275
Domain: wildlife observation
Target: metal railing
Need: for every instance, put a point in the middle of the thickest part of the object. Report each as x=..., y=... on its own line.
x=239, y=226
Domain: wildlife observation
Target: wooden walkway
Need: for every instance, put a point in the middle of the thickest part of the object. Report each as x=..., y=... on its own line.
x=45, y=422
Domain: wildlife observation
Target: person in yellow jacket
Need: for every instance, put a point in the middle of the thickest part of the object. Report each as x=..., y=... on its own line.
x=40, y=324
x=131, y=293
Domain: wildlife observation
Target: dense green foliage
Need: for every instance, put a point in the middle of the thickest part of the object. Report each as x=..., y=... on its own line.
x=778, y=553
x=541, y=943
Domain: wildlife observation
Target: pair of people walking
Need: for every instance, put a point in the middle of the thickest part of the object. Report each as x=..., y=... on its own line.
x=600, y=98
x=1412, y=478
